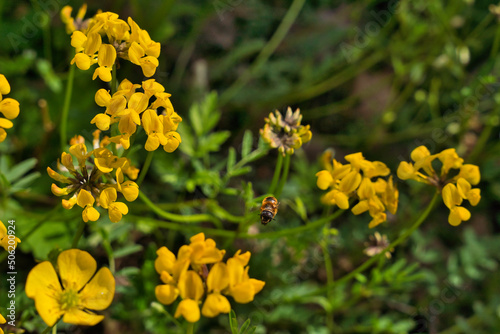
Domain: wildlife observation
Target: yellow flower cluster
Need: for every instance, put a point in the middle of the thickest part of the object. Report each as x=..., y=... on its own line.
x=92, y=179
x=126, y=40
x=4, y=238
x=189, y=276
x=130, y=108
x=285, y=133
x=9, y=108
x=355, y=179
x=454, y=189
x=80, y=293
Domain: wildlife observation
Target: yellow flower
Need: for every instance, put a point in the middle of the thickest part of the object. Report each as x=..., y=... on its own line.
x=285, y=133
x=4, y=238
x=124, y=40
x=76, y=23
x=9, y=108
x=241, y=287
x=453, y=190
x=220, y=280
x=152, y=109
x=81, y=291
x=91, y=181
x=361, y=179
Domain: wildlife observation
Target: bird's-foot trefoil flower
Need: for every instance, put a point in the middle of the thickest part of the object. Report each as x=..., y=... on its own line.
x=96, y=179
x=197, y=273
x=454, y=180
x=363, y=180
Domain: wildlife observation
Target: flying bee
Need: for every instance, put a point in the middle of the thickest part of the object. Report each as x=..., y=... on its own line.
x=268, y=210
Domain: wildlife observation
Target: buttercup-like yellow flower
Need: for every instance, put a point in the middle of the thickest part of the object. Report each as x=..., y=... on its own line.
x=125, y=40
x=152, y=109
x=455, y=189
x=81, y=291
x=92, y=182
x=285, y=133
x=215, y=282
x=4, y=238
x=363, y=180
x=9, y=108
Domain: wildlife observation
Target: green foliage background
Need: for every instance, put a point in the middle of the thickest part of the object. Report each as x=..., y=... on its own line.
x=369, y=76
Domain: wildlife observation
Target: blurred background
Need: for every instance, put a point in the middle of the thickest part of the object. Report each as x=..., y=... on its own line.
x=378, y=77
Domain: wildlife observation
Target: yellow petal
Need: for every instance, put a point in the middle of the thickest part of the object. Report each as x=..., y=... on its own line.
x=350, y=182
x=47, y=305
x=78, y=317
x=214, y=305
x=325, y=179
x=243, y=292
x=166, y=293
x=116, y=211
x=42, y=279
x=82, y=61
x=107, y=197
x=4, y=85
x=165, y=260
x=84, y=198
x=420, y=153
x=457, y=215
x=361, y=207
x=190, y=286
x=10, y=108
x=406, y=171
x=102, y=121
x=107, y=55
x=217, y=279
x=76, y=267
x=130, y=190
x=189, y=309
x=451, y=197
x=474, y=196
x=102, y=98
x=90, y=213
x=99, y=292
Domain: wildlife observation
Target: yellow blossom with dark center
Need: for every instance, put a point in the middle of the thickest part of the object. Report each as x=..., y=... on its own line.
x=360, y=179
x=197, y=272
x=285, y=133
x=454, y=188
x=91, y=181
x=75, y=294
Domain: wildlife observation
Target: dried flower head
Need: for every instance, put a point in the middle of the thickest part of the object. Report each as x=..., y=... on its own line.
x=377, y=244
x=285, y=133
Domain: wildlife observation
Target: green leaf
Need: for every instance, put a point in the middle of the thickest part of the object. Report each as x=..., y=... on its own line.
x=187, y=145
x=20, y=169
x=246, y=144
x=212, y=142
x=233, y=322
x=244, y=327
x=231, y=159
x=195, y=119
x=23, y=183
x=251, y=330
x=240, y=171
x=127, y=250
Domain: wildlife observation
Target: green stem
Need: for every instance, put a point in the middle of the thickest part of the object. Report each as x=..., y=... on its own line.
x=54, y=329
x=375, y=258
x=197, y=218
x=145, y=168
x=284, y=176
x=266, y=52
x=190, y=328
x=276, y=176
x=109, y=251
x=496, y=43
x=232, y=234
x=78, y=234
x=65, y=110
x=329, y=278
